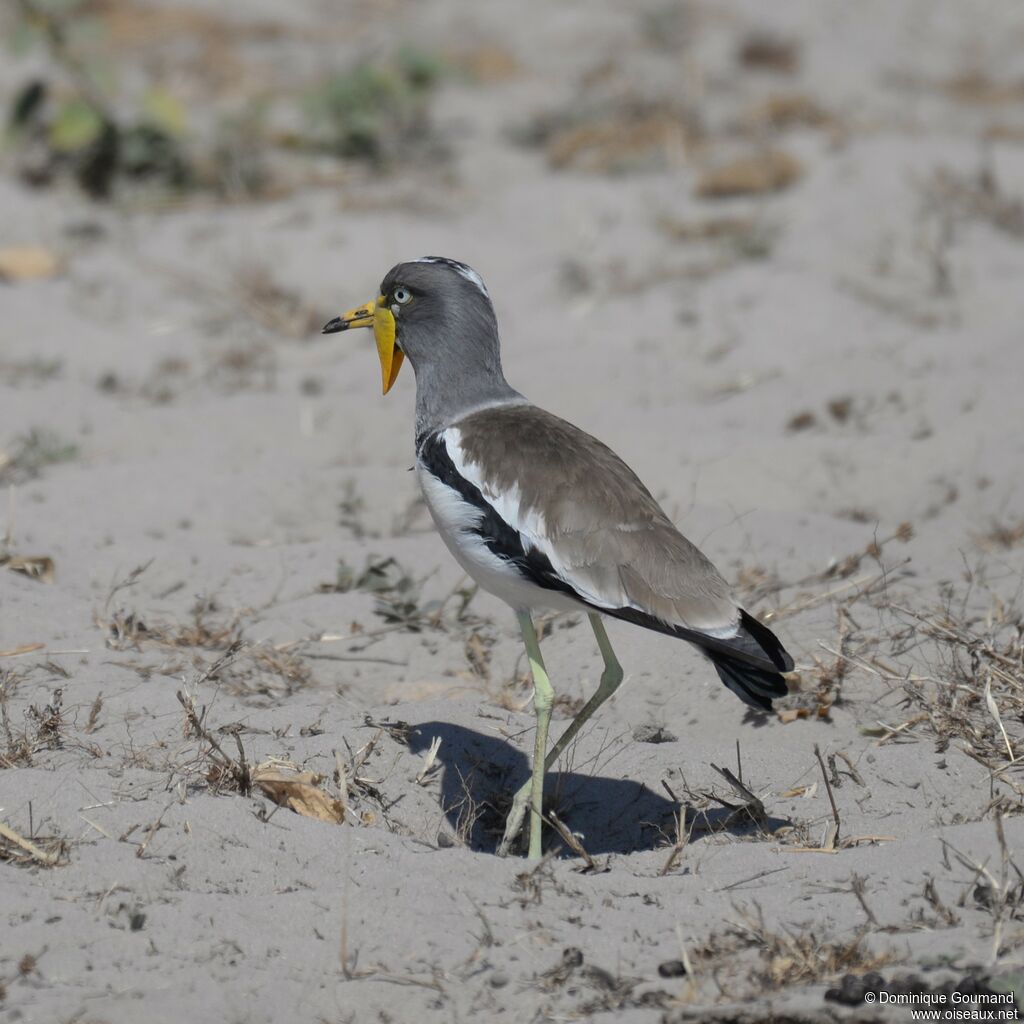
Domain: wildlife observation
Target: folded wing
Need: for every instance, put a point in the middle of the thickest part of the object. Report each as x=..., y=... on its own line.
x=583, y=523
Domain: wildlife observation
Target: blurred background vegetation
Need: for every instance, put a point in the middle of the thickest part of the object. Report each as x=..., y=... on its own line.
x=120, y=97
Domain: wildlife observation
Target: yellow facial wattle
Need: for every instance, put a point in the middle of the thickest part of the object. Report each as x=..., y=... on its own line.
x=390, y=355
x=375, y=314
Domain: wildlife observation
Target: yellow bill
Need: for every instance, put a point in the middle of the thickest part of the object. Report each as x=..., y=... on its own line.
x=374, y=314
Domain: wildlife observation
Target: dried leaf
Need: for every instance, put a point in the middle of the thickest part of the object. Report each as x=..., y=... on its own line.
x=298, y=791
x=804, y=791
x=788, y=715
x=27, y=263
x=36, y=567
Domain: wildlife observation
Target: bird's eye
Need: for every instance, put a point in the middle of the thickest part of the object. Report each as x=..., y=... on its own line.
x=402, y=295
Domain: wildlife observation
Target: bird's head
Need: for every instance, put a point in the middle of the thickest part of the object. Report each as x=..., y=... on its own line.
x=432, y=308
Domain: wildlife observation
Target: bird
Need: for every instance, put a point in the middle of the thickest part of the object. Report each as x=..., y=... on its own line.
x=543, y=515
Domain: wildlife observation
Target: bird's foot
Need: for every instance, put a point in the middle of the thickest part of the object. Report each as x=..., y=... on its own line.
x=515, y=819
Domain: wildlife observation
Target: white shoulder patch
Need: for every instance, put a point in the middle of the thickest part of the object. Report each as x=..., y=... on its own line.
x=529, y=523
x=462, y=269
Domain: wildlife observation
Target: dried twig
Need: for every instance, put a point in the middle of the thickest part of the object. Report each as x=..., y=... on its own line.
x=42, y=856
x=573, y=842
x=832, y=835
x=682, y=840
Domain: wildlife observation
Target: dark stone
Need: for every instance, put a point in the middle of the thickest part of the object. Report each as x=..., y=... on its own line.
x=672, y=969
x=851, y=990
x=653, y=734
x=572, y=957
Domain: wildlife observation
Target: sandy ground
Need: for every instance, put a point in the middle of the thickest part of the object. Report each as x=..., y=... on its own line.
x=795, y=374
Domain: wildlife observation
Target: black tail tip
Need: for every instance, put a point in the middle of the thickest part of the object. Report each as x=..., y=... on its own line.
x=767, y=641
x=754, y=686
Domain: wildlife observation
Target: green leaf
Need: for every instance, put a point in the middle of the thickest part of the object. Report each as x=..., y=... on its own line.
x=75, y=126
x=166, y=112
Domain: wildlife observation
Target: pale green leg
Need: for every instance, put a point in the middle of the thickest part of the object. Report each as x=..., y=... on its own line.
x=543, y=699
x=611, y=678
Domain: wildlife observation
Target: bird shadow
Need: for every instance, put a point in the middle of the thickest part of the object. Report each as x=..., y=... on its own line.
x=480, y=774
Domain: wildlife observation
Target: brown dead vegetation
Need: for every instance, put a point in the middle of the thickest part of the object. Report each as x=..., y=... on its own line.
x=245, y=668
x=975, y=197
x=613, y=137
x=797, y=956
x=784, y=111
x=974, y=691
x=770, y=171
x=765, y=51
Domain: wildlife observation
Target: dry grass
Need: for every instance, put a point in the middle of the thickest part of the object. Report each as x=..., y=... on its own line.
x=975, y=197
x=783, y=111
x=977, y=88
x=44, y=728
x=33, y=452
x=213, y=766
x=1001, y=536
x=243, y=668
x=758, y=174
x=958, y=666
x=617, y=142
x=46, y=851
x=790, y=956
x=19, y=747
x=844, y=584
x=614, y=136
x=974, y=693
x=999, y=892
x=281, y=310
x=601, y=990
x=734, y=240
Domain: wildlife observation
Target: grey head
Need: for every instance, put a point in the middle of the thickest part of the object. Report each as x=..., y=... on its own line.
x=446, y=327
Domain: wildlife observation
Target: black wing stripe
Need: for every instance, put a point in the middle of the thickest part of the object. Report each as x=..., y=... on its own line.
x=500, y=538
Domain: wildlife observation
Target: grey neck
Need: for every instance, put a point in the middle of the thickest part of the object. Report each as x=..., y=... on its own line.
x=442, y=397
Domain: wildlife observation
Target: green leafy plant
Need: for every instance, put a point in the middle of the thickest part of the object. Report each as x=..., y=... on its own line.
x=71, y=128
x=377, y=111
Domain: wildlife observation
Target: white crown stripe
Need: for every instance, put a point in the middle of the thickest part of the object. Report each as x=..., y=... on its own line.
x=461, y=269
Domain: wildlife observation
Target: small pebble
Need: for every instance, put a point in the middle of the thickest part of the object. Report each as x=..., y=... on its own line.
x=672, y=969
x=498, y=979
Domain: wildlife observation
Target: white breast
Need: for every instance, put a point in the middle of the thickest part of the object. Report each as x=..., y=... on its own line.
x=456, y=521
